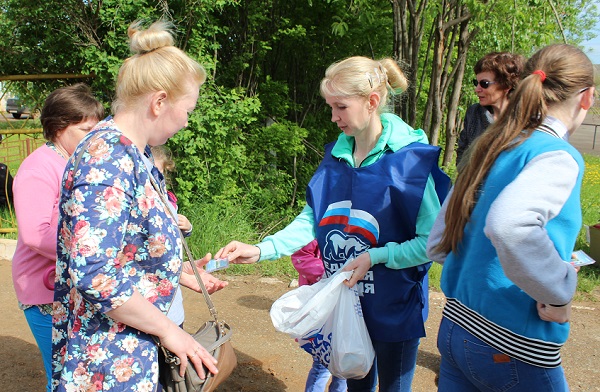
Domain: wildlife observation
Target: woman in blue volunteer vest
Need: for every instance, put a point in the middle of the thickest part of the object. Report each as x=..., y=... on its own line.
x=506, y=234
x=370, y=204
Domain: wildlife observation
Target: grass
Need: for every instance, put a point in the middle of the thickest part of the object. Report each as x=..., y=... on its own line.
x=215, y=226
x=589, y=276
x=7, y=223
x=19, y=139
x=590, y=195
x=13, y=150
x=26, y=123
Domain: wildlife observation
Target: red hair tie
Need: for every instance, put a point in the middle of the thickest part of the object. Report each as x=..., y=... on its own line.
x=541, y=73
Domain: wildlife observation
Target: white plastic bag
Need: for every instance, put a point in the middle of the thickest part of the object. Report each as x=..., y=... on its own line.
x=343, y=345
x=304, y=310
x=327, y=320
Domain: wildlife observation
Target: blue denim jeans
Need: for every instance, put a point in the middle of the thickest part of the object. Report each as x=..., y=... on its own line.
x=318, y=377
x=41, y=328
x=468, y=364
x=394, y=365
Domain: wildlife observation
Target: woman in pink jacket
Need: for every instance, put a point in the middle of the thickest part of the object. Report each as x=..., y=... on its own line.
x=69, y=113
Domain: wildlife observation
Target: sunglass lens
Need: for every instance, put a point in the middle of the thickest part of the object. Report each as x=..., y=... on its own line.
x=483, y=83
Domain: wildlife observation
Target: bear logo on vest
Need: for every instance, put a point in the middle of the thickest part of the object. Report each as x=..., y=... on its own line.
x=341, y=247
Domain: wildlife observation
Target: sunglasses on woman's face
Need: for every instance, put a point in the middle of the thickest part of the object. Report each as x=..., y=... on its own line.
x=483, y=83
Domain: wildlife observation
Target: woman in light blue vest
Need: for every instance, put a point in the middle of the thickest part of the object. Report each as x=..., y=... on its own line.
x=506, y=233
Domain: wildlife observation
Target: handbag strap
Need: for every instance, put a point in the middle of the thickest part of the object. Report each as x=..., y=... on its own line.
x=188, y=252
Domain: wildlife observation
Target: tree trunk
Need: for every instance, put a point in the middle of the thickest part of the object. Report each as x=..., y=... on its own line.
x=433, y=112
x=451, y=119
x=408, y=36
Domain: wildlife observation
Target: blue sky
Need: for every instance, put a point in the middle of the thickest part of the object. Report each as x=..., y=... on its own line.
x=592, y=47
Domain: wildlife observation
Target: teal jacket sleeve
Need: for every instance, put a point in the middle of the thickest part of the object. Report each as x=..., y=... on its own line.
x=412, y=252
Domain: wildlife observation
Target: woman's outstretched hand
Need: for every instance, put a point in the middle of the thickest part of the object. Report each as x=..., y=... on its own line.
x=239, y=253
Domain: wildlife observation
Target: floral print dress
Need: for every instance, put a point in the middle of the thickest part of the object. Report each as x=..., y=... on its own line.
x=115, y=236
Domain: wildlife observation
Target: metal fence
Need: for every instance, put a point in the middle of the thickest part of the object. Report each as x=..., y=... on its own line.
x=595, y=132
x=16, y=145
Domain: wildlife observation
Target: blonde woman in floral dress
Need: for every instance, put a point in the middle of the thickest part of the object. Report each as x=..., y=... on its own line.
x=119, y=250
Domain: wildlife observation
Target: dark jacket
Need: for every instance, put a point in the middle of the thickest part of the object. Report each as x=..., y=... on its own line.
x=476, y=121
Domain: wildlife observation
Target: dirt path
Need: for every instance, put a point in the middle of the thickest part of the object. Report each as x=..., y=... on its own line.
x=270, y=361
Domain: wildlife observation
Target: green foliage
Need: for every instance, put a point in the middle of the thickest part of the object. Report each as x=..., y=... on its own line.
x=30, y=123
x=226, y=155
x=588, y=280
x=268, y=58
x=214, y=146
x=272, y=169
x=217, y=224
x=339, y=27
x=435, y=274
x=259, y=130
x=277, y=268
x=7, y=221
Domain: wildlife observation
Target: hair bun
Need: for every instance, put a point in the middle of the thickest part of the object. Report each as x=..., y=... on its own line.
x=157, y=35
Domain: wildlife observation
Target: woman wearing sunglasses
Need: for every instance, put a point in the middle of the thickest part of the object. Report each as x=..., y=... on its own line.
x=496, y=75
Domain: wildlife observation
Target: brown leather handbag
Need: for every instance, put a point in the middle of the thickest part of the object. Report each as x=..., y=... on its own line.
x=215, y=338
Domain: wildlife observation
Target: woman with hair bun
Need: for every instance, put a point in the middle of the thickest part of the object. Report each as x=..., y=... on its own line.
x=120, y=256
x=506, y=233
x=370, y=205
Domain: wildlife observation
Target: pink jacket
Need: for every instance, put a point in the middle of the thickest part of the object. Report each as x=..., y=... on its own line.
x=308, y=263
x=36, y=191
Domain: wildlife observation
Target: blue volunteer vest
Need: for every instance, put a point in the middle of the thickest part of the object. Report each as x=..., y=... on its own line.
x=356, y=209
